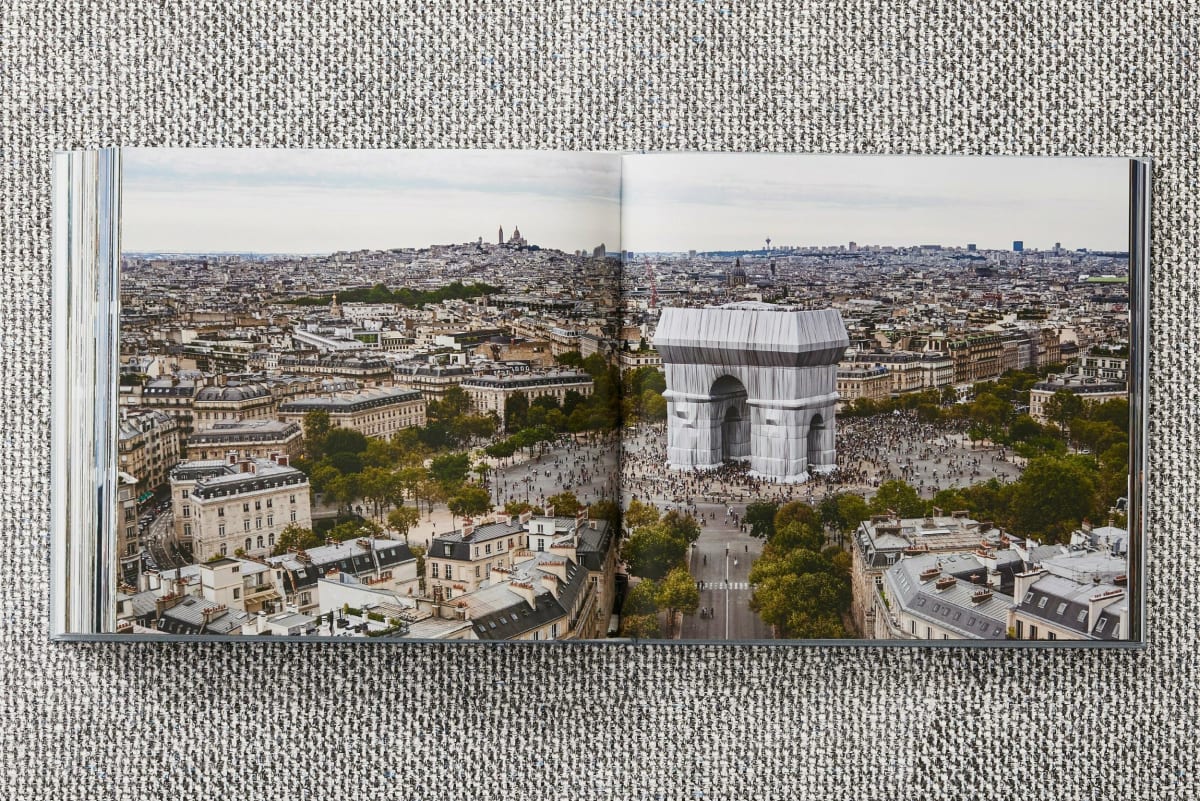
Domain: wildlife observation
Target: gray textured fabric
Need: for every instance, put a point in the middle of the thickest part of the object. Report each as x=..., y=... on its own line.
x=529, y=722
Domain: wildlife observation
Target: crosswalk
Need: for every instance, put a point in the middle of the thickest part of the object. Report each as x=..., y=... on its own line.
x=726, y=585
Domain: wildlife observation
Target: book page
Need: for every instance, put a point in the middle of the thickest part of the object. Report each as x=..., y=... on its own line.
x=368, y=393
x=876, y=397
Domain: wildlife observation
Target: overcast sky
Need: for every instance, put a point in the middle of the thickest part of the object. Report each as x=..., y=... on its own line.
x=320, y=201
x=677, y=202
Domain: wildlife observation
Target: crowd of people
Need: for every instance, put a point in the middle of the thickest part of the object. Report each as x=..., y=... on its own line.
x=583, y=465
x=870, y=451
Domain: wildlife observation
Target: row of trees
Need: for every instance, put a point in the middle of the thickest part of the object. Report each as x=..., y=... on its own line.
x=801, y=584
x=403, y=296
x=656, y=552
x=345, y=466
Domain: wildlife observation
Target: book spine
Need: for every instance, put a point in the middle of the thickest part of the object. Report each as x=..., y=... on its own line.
x=86, y=260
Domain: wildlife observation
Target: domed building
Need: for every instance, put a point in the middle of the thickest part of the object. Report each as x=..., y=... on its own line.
x=736, y=276
x=235, y=401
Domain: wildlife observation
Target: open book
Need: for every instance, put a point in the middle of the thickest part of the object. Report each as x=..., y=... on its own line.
x=488, y=395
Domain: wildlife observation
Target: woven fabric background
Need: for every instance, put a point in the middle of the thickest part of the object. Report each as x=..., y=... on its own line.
x=513, y=722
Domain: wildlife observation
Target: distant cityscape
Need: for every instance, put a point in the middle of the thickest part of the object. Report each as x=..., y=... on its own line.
x=468, y=441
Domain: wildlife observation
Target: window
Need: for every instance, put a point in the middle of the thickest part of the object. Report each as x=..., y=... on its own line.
x=476, y=571
x=553, y=630
x=1100, y=626
x=487, y=549
x=270, y=520
x=245, y=525
x=220, y=511
x=1033, y=632
x=541, y=544
x=223, y=549
x=293, y=515
x=187, y=511
x=1020, y=629
x=476, y=551
x=237, y=593
x=260, y=542
x=912, y=624
x=1042, y=601
x=1082, y=614
x=268, y=503
x=248, y=545
x=245, y=507
x=1050, y=635
x=433, y=569
x=257, y=506
x=1028, y=597
x=258, y=522
x=292, y=499
x=270, y=539
x=187, y=529
x=183, y=493
x=510, y=545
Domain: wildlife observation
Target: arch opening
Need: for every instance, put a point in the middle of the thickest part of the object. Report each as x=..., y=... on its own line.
x=816, y=431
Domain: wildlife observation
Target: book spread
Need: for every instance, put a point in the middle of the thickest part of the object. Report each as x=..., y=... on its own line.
x=559, y=396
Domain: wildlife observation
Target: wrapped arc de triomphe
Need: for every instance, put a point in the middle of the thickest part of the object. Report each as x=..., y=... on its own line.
x=752, y=381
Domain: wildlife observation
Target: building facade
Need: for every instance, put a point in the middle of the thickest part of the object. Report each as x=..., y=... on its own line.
x=232, y=507
x=253, y=439
x=147, y=446
x=374, y=411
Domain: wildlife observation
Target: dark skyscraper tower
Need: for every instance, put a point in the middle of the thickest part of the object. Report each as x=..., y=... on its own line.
x=500, y=241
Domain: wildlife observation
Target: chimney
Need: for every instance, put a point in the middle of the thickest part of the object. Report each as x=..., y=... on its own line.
x=525, y=590
x=1023, y=581
x=1099, y=601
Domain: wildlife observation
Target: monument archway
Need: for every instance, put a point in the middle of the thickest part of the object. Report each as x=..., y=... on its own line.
x=752, y=381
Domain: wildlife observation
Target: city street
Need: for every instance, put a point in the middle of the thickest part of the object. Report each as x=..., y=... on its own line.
x=721, y=560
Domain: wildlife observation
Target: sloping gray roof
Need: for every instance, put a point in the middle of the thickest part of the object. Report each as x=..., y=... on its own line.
x=951, y=607
x=751, y=334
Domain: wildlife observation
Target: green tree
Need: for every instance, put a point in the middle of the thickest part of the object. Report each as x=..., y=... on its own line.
x=640, y=627
x=640, y=514
x=469, y=500
x=565, y=504
x=377, y=486
x=450, y=469
x=316, y=426
x=294, y=536
x=516, y=409
x=681, y=525
x=345, y=440
x=642, y=598
x=899, y=497
x=1024, y=428
x=571, y=358
x=402, y=519
x=1052, y=497
x=678, y=593
x=760, y=516
x=605, y=509
x=379, y=453
x=652, y=551
x=419, y=552
x=1062, y=407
